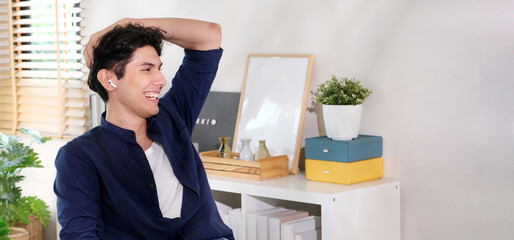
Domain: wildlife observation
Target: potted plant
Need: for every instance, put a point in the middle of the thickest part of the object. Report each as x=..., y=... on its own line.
x=4, y=229
x=14, y=156
x=12, y=233
x=342, y=101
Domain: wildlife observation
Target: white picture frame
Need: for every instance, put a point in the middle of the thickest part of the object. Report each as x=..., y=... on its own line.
x=273, y=103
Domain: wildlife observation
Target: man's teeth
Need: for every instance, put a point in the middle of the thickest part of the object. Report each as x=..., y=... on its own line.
x=152, y=96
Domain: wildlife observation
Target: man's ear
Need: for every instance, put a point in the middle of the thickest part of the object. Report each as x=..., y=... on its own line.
x=103, y=77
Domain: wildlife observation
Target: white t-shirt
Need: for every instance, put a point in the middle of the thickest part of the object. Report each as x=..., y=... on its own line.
x=169, y=189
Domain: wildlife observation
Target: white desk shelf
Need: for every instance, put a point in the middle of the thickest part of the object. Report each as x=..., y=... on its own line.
x=368, y=210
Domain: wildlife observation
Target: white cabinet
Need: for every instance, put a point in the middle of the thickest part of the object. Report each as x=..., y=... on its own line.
x=368, y=210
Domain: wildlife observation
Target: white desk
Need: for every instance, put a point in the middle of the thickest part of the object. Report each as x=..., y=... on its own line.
x=368, y=210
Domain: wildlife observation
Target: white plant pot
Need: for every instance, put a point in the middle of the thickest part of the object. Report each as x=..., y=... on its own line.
x=342, y=122
x=319, y=118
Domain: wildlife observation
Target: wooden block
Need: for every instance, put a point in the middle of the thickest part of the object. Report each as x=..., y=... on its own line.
x=262, y=169
x=232, y=168
x=233, y=174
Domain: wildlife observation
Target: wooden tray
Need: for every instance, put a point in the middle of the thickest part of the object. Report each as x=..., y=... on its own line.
x=262, y=169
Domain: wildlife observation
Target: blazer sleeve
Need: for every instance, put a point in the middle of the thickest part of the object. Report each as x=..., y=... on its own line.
x=78, y=195
x=191, y=85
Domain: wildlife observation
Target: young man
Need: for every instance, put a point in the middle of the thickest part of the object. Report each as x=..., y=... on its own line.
x=137, y=175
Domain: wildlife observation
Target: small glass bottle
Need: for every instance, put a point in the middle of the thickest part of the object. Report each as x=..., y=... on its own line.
x=224, y=151
x=262, y=152
x=246, y=153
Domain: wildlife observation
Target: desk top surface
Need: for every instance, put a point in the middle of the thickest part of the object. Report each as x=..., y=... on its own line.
x=290, y=185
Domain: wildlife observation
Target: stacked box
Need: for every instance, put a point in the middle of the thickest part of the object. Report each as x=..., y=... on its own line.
x=343, y=162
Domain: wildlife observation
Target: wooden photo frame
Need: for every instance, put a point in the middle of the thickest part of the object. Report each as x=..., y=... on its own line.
x=273, y=104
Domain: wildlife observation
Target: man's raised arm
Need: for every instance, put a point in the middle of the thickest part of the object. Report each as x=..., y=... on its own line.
x=186, y=33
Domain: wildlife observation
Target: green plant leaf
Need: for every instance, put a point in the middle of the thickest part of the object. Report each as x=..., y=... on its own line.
x=16, y=212
x=39, y=209
x=4, y=229
x=17, y=156
x=14, y=156
x=342, y=91
x=36, y=136
x=6, y=140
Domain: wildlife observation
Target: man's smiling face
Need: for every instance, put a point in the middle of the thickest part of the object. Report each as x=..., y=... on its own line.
x=138, y=90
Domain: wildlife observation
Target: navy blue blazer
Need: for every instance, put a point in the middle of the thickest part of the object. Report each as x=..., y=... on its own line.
x=104, y=185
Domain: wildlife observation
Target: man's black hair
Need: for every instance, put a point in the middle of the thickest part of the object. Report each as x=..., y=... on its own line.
x=115, y=48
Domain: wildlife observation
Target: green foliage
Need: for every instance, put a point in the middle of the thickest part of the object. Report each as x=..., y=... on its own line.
x=39, y=209
x=36, y=137
x=342, y=91
x=14, y=156
x=4, y=229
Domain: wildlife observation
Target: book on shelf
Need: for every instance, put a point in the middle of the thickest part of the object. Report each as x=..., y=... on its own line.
x=251, y=221
x=262, y=223
x=225, y=219
x=235, y=222
x=223, y=210
x=274, y=222
x=290, y=228
x=232, y=217
x=313, y=234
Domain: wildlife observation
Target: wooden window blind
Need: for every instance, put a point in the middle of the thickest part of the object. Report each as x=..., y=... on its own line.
x=6, y=103
x=42, y=75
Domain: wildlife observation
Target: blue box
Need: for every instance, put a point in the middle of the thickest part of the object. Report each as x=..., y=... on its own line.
x=362, y=148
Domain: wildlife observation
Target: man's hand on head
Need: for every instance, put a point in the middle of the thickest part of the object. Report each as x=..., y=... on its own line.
x=95, y=38
x=89, y=48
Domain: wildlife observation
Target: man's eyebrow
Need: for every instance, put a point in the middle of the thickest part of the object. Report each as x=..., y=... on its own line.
x=150, y=64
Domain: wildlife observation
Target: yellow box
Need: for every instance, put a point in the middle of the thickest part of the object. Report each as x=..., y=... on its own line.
x=344, y=173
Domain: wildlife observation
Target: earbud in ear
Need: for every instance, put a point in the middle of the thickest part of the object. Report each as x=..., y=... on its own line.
x=112, y=84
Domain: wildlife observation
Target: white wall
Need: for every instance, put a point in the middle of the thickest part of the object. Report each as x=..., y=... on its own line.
x=442, y=75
